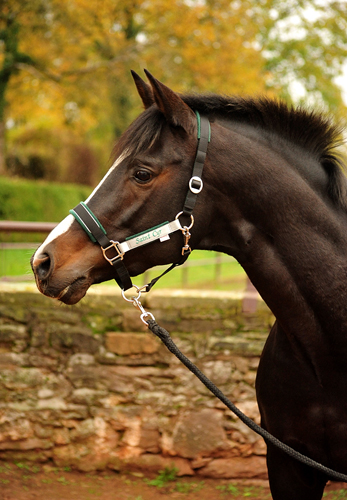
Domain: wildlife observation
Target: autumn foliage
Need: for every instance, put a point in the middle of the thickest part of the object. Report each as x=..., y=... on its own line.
x=65, y=87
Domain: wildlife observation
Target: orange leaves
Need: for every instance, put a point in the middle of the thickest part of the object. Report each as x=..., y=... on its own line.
x=203, y=46
x=82, y=51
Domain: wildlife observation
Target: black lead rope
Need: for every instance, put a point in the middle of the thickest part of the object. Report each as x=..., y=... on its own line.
x=269, y=438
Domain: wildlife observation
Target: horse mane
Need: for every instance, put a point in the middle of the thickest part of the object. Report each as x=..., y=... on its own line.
x=314, y=132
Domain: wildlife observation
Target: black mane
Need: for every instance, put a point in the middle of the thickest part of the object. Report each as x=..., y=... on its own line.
x=141, y=134
x=315, y=132
x=312, y=131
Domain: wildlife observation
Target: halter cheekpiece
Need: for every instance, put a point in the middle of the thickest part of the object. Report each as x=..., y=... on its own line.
x=114, y=251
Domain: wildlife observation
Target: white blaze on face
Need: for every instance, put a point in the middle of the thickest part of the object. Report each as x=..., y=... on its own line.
x=65, y=224
x=116, y=163
x=60, y=229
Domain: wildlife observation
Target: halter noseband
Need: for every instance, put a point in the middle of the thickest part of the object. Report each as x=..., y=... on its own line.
x=114, y=251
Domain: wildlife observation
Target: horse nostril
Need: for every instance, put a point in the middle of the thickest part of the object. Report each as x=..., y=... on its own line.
x=42, y=265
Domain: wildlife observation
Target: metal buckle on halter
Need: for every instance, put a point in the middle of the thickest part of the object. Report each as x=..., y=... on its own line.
x=120, y=254
x=196, y=189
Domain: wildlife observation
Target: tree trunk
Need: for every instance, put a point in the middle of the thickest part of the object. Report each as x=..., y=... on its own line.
x=2, y=148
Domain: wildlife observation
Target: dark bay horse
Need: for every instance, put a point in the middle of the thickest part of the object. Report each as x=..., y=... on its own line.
x=274, y=197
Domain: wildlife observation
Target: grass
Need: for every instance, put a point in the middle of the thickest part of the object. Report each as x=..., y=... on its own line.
x=231, y=490
x=15, y=262
x=168, y=478
x=336, y=495
x=32, y=200
x=203, y=269
x=165, y=476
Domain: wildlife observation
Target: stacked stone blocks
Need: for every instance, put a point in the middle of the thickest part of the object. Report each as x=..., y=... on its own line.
x=90, y=387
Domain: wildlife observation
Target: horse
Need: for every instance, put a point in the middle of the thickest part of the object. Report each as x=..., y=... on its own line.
x=272, y=194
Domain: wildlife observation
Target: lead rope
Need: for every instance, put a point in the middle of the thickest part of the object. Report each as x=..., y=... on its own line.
x=165, y=337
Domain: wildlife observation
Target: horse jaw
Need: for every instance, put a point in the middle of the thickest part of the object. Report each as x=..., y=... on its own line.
x=74, y=292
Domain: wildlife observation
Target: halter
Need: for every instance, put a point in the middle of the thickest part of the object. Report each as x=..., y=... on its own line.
x=114, y=251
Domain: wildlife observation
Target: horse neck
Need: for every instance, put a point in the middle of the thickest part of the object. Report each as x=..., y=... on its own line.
x=288, y=235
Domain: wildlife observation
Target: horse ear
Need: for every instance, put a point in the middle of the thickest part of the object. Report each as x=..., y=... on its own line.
x=144, y=90
x=175, y=110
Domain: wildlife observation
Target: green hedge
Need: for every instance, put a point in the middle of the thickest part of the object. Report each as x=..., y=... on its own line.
x=36, y=201
x=23, y=200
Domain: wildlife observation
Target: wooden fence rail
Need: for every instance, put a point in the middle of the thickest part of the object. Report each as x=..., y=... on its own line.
x=26, y=227
x=250, y=298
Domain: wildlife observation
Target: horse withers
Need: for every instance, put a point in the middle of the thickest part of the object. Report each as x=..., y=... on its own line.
x=274, y=197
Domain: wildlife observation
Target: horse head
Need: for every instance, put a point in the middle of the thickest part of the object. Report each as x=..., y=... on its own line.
x=145, y=186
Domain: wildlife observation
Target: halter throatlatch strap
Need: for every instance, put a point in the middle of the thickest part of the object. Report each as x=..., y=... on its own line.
x=195, y=183
x=97, y=233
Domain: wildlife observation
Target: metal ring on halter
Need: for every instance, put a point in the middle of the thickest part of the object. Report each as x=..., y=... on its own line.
x=136, y=303
x=133, y=298
x=191, y=218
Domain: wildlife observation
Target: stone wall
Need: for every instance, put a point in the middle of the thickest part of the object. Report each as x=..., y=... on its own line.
x=88, y=386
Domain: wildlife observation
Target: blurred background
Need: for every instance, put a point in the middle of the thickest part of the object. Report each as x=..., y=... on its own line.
x=66, y=93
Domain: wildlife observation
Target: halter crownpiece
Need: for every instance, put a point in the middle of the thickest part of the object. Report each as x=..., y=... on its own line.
x=195, y=182
x=114, y=251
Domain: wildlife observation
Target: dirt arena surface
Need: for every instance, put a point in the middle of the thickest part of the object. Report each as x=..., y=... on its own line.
x=42, y=482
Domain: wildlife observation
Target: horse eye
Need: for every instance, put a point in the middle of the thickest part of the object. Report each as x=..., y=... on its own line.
x=143, y=176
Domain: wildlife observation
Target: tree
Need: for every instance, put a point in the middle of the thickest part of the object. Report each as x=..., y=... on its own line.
x=77, y=73
x=64, y=64
x=49, y=55
x=11, y=57
x=203, y=47
x=304, y=42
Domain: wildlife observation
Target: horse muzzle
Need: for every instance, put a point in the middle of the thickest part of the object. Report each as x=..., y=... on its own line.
x=69, y=286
